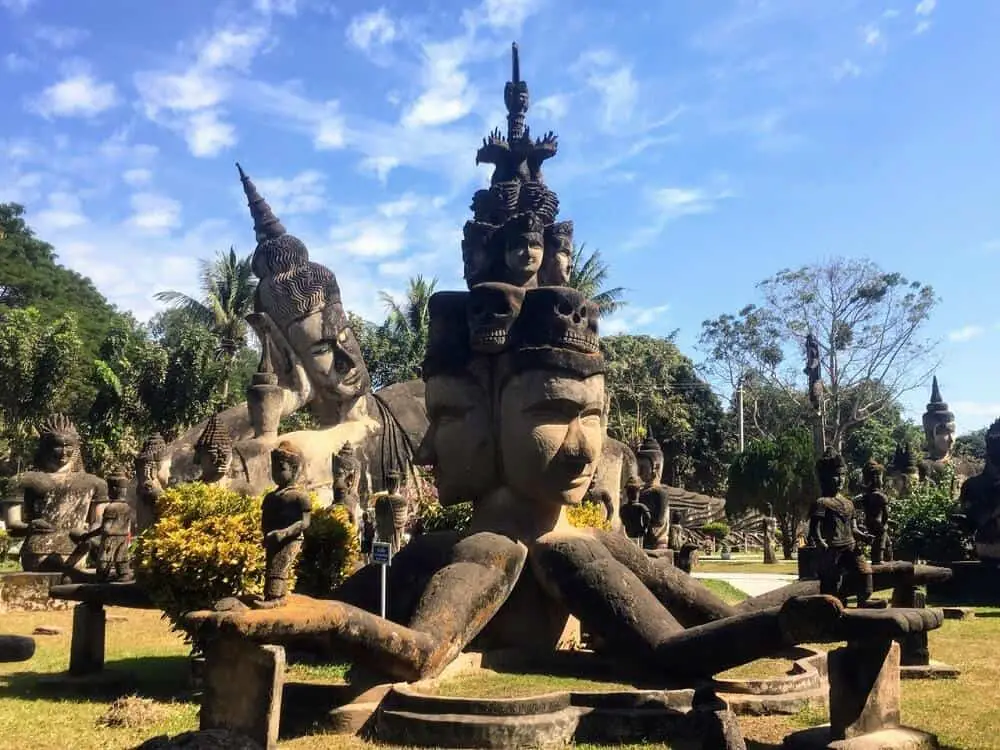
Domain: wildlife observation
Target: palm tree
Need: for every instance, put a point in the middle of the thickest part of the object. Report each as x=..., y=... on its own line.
x=588, y=275
x=227, y=292
x=407, y=324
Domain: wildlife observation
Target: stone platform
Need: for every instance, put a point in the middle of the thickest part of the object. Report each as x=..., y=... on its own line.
x=29, y=592
x=972, y=584
x=897, y=738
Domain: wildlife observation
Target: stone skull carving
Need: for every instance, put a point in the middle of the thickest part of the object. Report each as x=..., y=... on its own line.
x=561, y=317
x=493, y=308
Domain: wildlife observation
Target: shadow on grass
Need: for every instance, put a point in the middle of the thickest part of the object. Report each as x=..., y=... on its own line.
x=164, y=678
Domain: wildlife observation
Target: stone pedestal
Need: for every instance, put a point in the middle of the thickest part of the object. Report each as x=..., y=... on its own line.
x=86, y=654
x=243, y=686
x=16, y=648
x=972, y=584
x=864, y=704
x=915, y=656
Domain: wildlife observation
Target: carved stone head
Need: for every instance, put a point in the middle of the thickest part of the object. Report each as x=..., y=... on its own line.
x=632, y=490
x=939, y=425
x=346, y=470
x=117, y=486
x=649, y=458
x=303, y=299
x=58, y=444
x=561, y=318
x=493, y=309
x=522, y=245
x=153, y=462
x=555, y=268
x=871, y=475
x=287, y=462
x=214, y=450
x=476, y=241
x=830, y=469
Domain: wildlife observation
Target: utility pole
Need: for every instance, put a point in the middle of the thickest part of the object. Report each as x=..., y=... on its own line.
x=739, y=401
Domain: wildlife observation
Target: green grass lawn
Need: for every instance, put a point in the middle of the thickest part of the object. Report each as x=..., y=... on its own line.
x=146, y=659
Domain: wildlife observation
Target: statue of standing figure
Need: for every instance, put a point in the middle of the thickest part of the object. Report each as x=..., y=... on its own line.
x=346, y=480
x=152, y=473
x=58, y=497
x=770, y=525
x=113, y=532
x=390, y=513
x=285, y=515
x=833, y=528
x=653, y=494
x=875, y=506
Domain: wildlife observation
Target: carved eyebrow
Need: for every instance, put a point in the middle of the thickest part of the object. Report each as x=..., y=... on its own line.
x=566, y=404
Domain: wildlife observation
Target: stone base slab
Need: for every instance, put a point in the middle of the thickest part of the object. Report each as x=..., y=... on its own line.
x=936, y=670
x=899, y=738
x=29, y=592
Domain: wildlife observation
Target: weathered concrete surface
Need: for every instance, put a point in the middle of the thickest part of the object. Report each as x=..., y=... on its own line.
x=29, y=592
x=864, y=688
x=86, y=651
x=109, y=594
x=898, y=738
x=243, y=687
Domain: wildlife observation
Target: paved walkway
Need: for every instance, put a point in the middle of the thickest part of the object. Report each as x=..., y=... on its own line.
x=752, y=584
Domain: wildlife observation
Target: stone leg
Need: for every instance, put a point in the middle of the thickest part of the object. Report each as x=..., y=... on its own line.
x=914, y=649
x=243, y=685
x=86, y=655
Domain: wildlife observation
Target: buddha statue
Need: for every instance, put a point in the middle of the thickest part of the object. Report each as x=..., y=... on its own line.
x=285, y=515
x=152, y=473
x=346, y=480
x=979, y=501
x=653, y=494
x=939, y=432
x=45, y=505
x=519, y=572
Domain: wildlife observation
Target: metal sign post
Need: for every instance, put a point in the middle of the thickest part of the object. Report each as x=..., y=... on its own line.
x=382, y=555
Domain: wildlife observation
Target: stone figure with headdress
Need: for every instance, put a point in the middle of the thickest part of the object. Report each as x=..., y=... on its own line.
x=57, y=497
x=152, y=474
x=112, y=532
x=939, y=433
x=346, y=480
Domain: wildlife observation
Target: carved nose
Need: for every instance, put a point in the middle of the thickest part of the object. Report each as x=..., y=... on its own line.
x=577, y=448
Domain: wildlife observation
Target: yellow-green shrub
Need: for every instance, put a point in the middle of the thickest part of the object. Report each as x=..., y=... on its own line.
x=330, y=551
x=206, y=545
x=588, y=516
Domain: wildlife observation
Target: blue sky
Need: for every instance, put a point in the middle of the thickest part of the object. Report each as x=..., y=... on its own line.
x=704, y=144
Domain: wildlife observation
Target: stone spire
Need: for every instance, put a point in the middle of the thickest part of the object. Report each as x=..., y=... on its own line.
x=265, y=223
x=515, y=96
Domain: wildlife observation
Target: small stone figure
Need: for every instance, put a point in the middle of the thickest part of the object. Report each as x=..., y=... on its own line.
x=979, y=501
x=685, y=551
x=113, y=530
x=284, y=518
x=367, y=532
x=875, y=505
x=635, y=516
x=58, y=497
x=152, y=473
x=903, y=470
x=390, y=514
x=601, y=498
x=346, y=480
x=770, y=526
x=813, y=372
x=653, y=494
x=833, y=528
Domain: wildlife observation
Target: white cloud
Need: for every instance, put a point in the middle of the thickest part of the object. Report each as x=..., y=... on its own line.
x=554, y=107
x=634, y=320
x=370, y=238
x=207, y=135
x=78, y=94
x=976, y=412
x=846, y=69
x=925, y=7
x=507, y=14
x=669, y=204
x=231, y=48
x=276, y=7
x=60, y=37
x=447, y=95
x=15, y=63
x=872, y=35
x=922, y=26
x=374, y=29
x=17, y=6
x=302, y=194
x=64, y=211
x=890, y=13
x=966, y=333
x=614, y=82
x=137, y=177
x=153, y=213
x=184, y=92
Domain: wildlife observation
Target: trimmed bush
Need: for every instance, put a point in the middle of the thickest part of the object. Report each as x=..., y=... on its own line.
x=330, y=551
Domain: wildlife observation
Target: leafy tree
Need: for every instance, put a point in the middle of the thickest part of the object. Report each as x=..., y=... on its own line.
x=868, y=325
x=971, y=445
x=923, y=526
x=589, y=275
x=38, y=365
x=781, y=472
x=32, y=278
x=227, y=294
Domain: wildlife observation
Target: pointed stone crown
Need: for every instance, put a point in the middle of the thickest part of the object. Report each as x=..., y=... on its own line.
x=61, y=425
x=154, y=449
x=215, y=440
x=937, y=410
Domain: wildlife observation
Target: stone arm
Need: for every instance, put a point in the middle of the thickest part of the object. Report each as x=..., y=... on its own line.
x=298, y=390
x=859, y=533
x=815, y=518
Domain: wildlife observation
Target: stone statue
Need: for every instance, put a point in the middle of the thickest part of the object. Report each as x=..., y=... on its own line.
x=653, y=494
x=346, y=480
x=517, y=574
x=113, y=530
x=770, y=525
x=875, y=506
x=367, y=532
x=833, y=528
x=558, y=259
x=939, y=432
x=636, y=518
x=813, y=372
x=152, y=473
x=285, y=514
x=601, y=498
x=214, y=452
x=391, y=511
x=903, y=470
x=979, y=501
x=58, y=497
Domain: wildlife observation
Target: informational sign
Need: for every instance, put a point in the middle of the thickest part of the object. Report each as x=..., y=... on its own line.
x=382, y=553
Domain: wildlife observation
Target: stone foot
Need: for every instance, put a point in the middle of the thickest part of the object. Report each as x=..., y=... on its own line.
x=268, y=603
